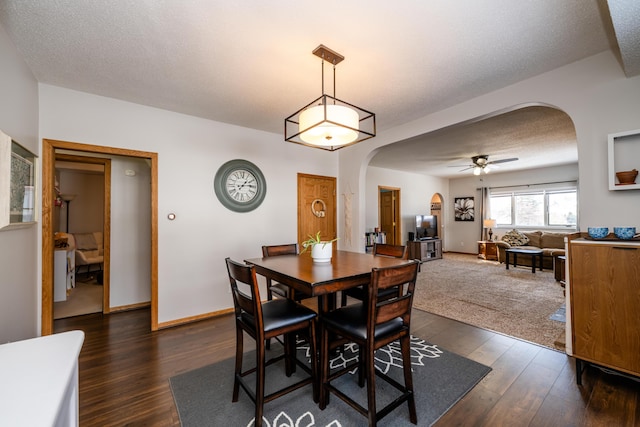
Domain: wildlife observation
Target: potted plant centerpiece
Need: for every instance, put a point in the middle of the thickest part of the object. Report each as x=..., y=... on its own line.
x=320, y=250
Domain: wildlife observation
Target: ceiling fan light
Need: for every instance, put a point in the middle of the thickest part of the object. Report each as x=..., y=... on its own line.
x=338, y=127
x=486, y=169
x=477, y=170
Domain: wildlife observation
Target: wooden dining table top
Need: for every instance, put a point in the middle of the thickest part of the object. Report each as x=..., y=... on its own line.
x=346, y=270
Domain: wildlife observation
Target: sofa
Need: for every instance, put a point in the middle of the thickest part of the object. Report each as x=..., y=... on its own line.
x=551, y=243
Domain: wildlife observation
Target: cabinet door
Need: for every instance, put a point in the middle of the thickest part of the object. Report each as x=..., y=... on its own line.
x=605, y=296
x=438, y=249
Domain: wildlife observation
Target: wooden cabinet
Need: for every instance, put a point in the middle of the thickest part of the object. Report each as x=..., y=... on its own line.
x=604, y=298
x=425, y=250
x=487, y=250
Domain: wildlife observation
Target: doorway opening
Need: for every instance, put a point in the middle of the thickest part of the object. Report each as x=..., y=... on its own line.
x=437, y=207
x=389, y=214
x=82, y=183
x=49, y=149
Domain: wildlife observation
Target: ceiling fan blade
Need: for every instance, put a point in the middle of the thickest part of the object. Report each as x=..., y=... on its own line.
x=466, y=169
x=513, y=159
x=460, y=166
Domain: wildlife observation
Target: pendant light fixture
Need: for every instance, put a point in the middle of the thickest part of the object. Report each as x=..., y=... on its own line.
x=327, y=122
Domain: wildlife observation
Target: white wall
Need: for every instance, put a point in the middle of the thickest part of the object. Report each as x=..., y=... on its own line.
x=192, y=278
x=416, y=191
x=19, y=254
x=86, y=210
x=462, y=236
x=596, y=95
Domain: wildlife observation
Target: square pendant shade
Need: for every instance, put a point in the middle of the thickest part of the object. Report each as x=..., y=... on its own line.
x=330, y=124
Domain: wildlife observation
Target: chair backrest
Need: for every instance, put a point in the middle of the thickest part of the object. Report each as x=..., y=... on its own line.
x=245, y=302
x=402, y=277
x=275, y=250
x=395, y=251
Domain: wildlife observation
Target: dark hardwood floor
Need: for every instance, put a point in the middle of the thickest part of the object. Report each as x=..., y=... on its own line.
x=124, y=372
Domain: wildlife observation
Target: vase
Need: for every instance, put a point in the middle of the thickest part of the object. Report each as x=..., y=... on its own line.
x=322, y=252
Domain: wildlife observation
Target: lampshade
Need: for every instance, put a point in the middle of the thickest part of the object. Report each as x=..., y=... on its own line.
x=489, y=223
x=328, y=122
x=328, y=125
x=67, y=197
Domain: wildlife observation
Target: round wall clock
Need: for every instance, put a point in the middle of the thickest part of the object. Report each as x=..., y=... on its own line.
x=240, y=185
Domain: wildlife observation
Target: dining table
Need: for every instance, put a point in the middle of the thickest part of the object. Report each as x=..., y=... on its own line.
x=322, y=279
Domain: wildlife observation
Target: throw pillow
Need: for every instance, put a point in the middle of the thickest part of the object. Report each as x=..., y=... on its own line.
x=515, y=238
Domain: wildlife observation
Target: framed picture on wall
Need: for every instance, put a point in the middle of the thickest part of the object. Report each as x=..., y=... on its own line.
x=17, y=184
x=464, y=209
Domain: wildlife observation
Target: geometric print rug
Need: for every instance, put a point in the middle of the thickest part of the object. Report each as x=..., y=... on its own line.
x=441, y=378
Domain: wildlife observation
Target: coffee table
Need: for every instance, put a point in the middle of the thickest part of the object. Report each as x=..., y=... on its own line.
x=533, y=253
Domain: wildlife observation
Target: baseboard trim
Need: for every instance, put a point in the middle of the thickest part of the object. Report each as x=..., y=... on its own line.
x=191, y=319
x=128, y=307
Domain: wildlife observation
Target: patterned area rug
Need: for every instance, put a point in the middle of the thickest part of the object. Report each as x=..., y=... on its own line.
x=441, y=378
x=482, y=293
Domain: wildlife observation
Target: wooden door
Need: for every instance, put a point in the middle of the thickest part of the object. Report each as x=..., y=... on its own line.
x=316, y=207
x=389, y=207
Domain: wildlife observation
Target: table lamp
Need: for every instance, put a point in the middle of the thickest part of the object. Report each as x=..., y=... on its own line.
x=489, y=223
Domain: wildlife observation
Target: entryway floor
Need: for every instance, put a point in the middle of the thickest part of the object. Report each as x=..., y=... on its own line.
x=85, y=298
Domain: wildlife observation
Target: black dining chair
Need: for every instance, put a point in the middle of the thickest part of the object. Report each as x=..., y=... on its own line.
x=263, y=321
x=278, y=289
x=372, y=324
x=379, y=249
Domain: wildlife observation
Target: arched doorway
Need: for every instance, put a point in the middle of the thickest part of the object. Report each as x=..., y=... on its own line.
x=437, y=210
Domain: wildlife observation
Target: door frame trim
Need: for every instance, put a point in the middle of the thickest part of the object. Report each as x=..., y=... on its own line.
x=48, y=195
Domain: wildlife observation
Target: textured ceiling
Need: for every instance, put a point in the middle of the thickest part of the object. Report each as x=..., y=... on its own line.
x=538, y=136
x=249, y=62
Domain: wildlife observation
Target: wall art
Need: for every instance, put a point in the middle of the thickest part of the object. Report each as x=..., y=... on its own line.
x=464, y=209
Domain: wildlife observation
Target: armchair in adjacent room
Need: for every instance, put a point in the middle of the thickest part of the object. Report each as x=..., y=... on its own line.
x=89, y=250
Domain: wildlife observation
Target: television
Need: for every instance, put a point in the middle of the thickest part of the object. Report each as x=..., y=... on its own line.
x=426, y=227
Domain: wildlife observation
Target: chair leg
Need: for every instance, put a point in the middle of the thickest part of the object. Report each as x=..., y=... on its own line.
x=324, y=368
x=405, y=347
x=314, y=360
x=343, y=297
x=371, y=383
x=238, y=369
x=260, y=374
x=290, y=353
x=362, y=369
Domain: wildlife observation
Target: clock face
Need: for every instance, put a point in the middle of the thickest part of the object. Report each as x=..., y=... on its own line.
x=240, y=185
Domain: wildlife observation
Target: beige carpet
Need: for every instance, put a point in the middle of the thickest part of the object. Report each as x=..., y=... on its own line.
x=483, y=293
x=85, y=298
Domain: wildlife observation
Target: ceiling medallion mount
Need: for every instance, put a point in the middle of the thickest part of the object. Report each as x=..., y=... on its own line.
x=328, y=122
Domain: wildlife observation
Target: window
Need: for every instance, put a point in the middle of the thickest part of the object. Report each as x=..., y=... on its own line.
x=535, y=206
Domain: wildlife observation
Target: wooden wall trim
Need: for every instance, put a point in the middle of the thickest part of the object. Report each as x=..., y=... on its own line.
x=48, y=170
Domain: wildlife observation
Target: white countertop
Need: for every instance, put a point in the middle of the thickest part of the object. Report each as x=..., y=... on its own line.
x=38, y=379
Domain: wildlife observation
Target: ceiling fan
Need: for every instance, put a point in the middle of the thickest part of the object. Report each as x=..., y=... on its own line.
x=481, y=164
